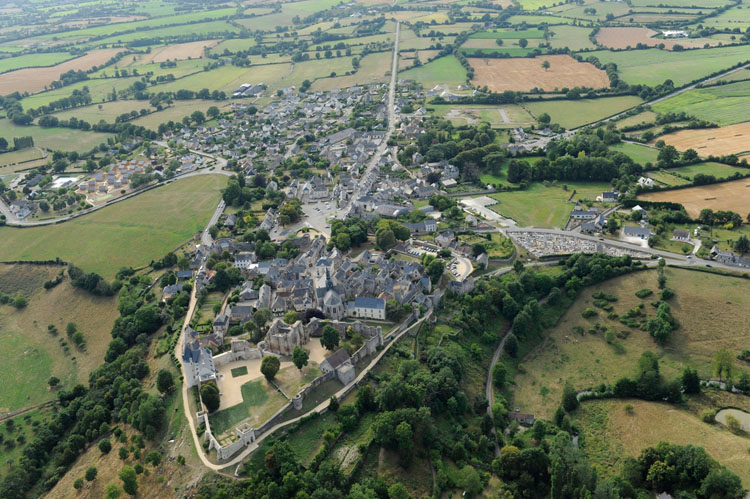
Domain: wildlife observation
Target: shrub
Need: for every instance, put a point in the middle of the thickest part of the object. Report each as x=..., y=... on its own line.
x=643, y=293
x=589, y=312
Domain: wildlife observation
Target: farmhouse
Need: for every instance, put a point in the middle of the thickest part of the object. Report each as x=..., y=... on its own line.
x=681, y=235
x=639, y=232
x=524, y=419
x=729, y=258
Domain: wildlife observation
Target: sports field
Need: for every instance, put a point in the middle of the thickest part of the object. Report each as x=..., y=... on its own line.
x=654, y=66
x=725, y=196
x=524, y=74
x=731, y=139
x=130, y=233
x=575, y=113
x=542, y=206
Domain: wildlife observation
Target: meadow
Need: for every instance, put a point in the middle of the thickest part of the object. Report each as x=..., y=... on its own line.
x=612, y=434
x=722, y=104
x=576, y=113
x=129, y=233
x=33, y=61
x=544, y=206
x=572, y=37
x=445, y=70
x=63, y=139
x=177, y=111
x=654, y=66
x=586, y=360
x=718, y=170
x=33, y=351
x=638, y=153
x=666, y=178
x=509, y=33
x=372, y=69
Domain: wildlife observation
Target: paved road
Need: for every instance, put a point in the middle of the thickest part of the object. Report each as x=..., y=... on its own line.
x=368, y=178
x=206, y=238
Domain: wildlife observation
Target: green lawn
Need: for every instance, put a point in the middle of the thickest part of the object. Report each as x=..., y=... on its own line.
x=64, y=139
x=575, y=113
x=541, y=206
x=666, y=178
x=718, y=170
x=723, y=105
x=654, y=66
x=445, y=70
x=638, y=153
x=239, y=371
x=130, y=233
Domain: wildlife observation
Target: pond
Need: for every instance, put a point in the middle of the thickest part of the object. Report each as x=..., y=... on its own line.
x=742, y=416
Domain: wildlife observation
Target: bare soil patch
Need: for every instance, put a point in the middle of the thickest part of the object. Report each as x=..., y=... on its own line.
x=725, y=196
x=180, y=51
x=524, y=74
x=624, y=37
x=732, y=139
x=35, y=79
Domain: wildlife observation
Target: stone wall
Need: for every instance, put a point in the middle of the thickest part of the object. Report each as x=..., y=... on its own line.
x=240, y=351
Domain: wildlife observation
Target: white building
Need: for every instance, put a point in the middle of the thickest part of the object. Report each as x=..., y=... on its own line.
x=366, y=308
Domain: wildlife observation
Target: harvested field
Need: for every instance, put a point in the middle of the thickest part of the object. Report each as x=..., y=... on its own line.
x=624, y=37
x=180, y=51
x=733, y=139
x=725, y=196
x=35, y=79
x=524, y=74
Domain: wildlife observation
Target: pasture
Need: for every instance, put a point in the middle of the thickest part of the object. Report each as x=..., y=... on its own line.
x=32, y=350
x=666, y=178
x=33, y=61
x=721, y=104
x=718, y=170
x=509, y=34
x=373, y=68
x=725, y=196
x=64, y=139
x=37, y=79
x=638, y=153
x=445, y=70
x=544, y=206
x=179, y=51
x=654, y=66
x=572, y=37
x=575, y=113
x=129, y=233
x=613, y=434
x=498, y=116
x=731, y=139
x=524, y=74
x=586, y=360
x=177, y=111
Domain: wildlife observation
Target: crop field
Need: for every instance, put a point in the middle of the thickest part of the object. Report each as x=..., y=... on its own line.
x=64, y=139
x=725, y=196
x=180, y=51
x=233, y=45
x=524, y=74
x=638, y=153
x=572, y=114
x=445, y=70
x=36, y=353
x=586, y=360
x=372, y=69
x=99, y=89
x=228, y=78
x=542, y=206
x=613, y=434
x=36, y=79
x=736, y=17
x=731, y=139
x=537, y=20
x=654, y=66
x=33, y=61
x=627, y=37
x=129, y=233
x=723, y=104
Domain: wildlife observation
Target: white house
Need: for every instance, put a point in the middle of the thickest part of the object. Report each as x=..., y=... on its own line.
x=368, y=308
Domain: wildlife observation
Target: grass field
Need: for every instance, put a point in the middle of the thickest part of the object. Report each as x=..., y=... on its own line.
x=491, y=114
x=8, y=158
x=638, y=153
x=107, y=111
x=23, y=426
x=228, y=78
x=666, y=178
x=130, y=233
x=718, y=170
x=572, y=114
x=510, y=33
x=33, y=60
x=586, y=361
x=445, y=70
x=723, y=105
x=260, y=400
x=176, y=112
x=33, y=351
x=64, y=139
x=573, y=37
x=99, y=89
x=612, y=434
x=654, y=66
x=644, y=117
x=542, y=206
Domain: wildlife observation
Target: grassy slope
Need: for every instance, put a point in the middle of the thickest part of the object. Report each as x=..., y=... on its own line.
x=588, y=360
x=132, y=232
x=723, y=105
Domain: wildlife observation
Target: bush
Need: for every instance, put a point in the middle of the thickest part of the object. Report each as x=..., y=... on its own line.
x=666, y=294
x=105, y=445
x=643, y=293
x=589, y=312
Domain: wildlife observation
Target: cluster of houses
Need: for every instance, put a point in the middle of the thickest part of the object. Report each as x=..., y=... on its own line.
x=118, y=177
x=249, y=90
